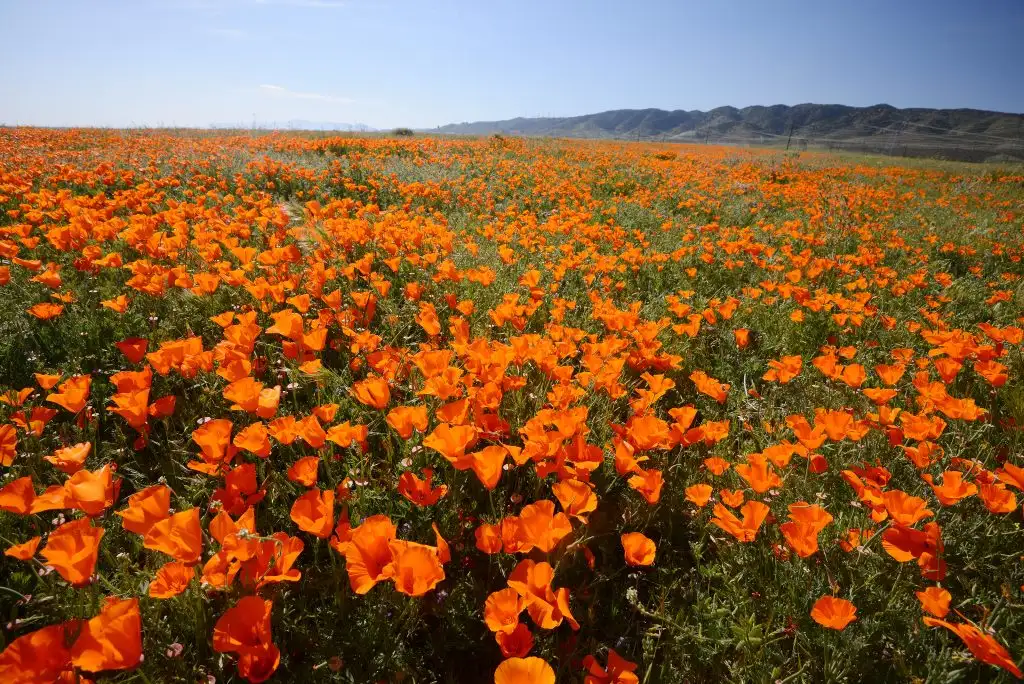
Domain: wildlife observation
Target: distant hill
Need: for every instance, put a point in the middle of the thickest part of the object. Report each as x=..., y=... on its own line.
x=966, y=134
x=298, y=125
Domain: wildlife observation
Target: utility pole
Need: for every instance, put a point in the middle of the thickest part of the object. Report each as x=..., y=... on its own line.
x=790, y=138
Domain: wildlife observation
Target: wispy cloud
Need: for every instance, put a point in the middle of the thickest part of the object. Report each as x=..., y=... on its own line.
x=282, y=92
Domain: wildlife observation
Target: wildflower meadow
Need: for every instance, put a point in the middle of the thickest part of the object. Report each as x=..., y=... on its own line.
x=305, y=407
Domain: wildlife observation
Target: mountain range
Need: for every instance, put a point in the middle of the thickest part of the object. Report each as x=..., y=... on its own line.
x=964, y=134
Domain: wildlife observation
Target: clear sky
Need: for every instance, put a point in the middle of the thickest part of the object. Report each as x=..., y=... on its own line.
x=424, y=63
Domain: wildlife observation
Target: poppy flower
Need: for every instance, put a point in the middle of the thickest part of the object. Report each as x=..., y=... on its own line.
x=783, y=370
x=639, y=549
x=313, y=512
x=92, y=492
x=146, y=508
x=547, y=607
x=745, y=529
x=997, y=498
x=488, y=538
x=253, y=438
x=648, y=483
x=179, y=536
x=414, y=568
x=487, y=464
x=420, y=492
x=758, y=473
x=502, y=609
x=983, y=646
x=515, y=644
x=405, y=419
x=8, y=445
x=699, y=494
x=834, y=613
x=373, y=392
x=708, y=385
x=576, y=498
x=18, y=495
x=524, y=671
x=934, y=600
x=39, y=656
x=25, y=550
x=245, y=629
x=133, y=348
x=451, y=441
x=72, y=550
x=541, y=527
x=46, y=310
x=171, y=579
x=214, y=440
x=367, y=552
x=304, y=471
x=70, y=459
x=618, y=671
x=953, y=488
x=112, y=640
x=72, y=394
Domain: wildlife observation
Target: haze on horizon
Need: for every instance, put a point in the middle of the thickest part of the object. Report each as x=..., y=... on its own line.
x=392, y=63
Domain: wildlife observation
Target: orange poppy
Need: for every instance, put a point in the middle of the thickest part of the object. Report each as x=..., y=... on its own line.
x=699, y=494
x=92, y=491
x=405, y=419
x=546, y=606
x=524, y=671
x=72, y=550
x=179, y=536
x=983, y=646
x=745, y=530
x=515, y=644
x=373, y=392
x=255, y=439
x=451, y=441
x=304, y=471
x=8, y=445
x=245, y=629
x=783, y=370
x=146, y=508
x=577, y=498
x=639, y=549
x=648, y=483
x=39, y=656
x=133, y=348
x=541, y=527
x=171, y=579
x=112, y=640
x=488, y=538
x=502, y=609
x=618, y=671
x=708, y=385
x=70, y=459
x=834, y=613
x=934, y=600
x=72, y=394
x=420, y=492
x=313, y=512
x=23, y=551
x=414, y=568
x=367, y=552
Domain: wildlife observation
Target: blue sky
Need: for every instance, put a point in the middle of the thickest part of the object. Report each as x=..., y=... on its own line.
x=425, y=63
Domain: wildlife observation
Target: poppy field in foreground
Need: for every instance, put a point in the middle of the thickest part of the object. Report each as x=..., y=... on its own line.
x=286, y=407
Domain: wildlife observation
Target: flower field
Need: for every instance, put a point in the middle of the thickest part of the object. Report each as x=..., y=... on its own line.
x=288, y=407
